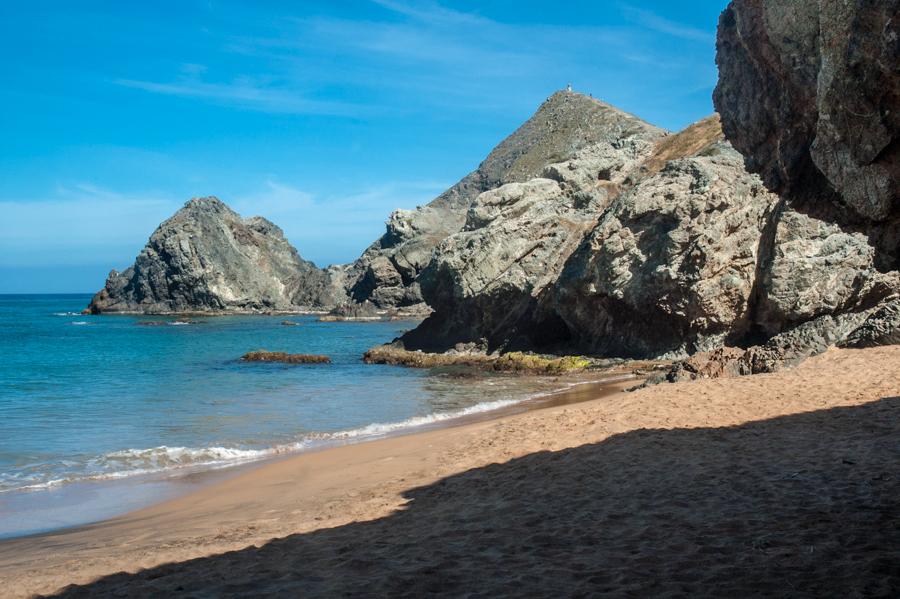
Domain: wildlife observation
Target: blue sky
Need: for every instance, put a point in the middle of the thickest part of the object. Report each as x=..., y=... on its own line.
x=322, y=116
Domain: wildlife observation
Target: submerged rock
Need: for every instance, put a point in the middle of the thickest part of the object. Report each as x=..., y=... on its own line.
x=206, y=258
x=285, y=358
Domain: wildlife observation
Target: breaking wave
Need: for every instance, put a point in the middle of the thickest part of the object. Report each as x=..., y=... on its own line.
x=163, y=459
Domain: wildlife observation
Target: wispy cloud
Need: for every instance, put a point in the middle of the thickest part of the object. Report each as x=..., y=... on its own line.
x=433, y=13
x=277, y=202
x=110, y=227
x=248, y=93
x=425, y=56
x=655, y=22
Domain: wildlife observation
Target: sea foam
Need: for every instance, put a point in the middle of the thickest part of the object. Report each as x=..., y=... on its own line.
x=165, y=460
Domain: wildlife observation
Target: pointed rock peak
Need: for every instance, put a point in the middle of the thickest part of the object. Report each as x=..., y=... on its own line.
x=588, y=104
x=565, y=123
x=208, y=204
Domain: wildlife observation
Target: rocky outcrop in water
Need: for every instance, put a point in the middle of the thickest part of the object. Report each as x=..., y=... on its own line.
x=387, y=273
x=206, y=258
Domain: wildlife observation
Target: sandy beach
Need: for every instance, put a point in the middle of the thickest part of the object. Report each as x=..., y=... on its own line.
x=777, y=484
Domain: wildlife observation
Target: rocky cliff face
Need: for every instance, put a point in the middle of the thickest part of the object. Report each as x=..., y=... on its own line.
x=671, y=267
x=206, y=258
x=386, y=274
x=689, y=253
x=654, y=248
x=637, y=246
x=809, y=92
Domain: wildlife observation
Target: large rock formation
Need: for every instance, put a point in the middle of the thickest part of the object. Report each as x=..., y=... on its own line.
x=691, y=254
x=653, y=248
x=386, y=274
x=809, y=91
x=638, y=246
x=670, y=268
x=206, y=258
x=486, y=282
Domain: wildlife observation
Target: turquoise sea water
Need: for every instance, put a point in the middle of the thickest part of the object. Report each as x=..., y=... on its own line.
x=88, y=399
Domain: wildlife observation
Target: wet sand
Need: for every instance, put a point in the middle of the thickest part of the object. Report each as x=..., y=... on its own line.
x=772, y=484
x=51, y=510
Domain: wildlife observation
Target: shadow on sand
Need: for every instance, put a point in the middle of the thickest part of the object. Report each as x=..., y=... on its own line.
x=802, y=505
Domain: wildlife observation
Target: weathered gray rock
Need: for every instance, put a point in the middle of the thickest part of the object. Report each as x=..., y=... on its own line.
x=206, y=258
x=809, y=92
x=487, y=278
x=817, y=268
x=881, y=327
x=635, y=247
x=662, y=248
x=670, y=267
x=386, y=274
x=877, y=326
x=486, y=282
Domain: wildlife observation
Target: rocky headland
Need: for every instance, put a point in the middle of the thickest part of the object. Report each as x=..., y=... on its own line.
x=206, y=258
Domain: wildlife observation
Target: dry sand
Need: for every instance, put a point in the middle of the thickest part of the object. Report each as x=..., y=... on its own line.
x=781, y=484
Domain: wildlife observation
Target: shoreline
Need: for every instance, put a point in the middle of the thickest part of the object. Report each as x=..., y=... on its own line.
x=654, y=456
x=109, y=497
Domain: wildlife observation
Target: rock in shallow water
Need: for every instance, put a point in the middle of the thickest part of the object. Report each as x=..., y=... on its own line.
x=284, y=358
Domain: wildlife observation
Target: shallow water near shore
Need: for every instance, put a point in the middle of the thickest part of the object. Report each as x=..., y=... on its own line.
x=104, y=414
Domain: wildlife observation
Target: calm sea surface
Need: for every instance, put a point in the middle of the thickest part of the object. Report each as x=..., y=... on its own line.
x=93, y=400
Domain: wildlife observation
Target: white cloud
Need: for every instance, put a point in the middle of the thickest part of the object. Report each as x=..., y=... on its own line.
x=80, y=224
x=655, y=22
x=245, y=92
x=334, y=228
x=432, y=12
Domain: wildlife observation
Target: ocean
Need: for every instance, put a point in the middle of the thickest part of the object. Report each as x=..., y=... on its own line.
x=100, y=414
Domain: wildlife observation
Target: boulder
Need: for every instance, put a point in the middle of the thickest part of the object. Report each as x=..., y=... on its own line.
x=670, y=267
x=486, y=283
